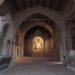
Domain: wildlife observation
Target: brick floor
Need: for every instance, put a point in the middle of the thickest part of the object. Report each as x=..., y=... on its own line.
x=37, y=69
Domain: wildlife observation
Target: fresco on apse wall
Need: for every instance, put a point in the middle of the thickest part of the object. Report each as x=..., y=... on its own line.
x=38, y=45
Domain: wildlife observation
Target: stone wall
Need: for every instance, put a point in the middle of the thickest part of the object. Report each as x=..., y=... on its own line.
x=19, y=17
x=71, y=41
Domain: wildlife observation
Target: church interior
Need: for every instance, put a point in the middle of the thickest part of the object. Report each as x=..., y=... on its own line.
x=37, y=32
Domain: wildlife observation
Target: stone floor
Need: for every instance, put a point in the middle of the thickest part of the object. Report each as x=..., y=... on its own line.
x=37, y=69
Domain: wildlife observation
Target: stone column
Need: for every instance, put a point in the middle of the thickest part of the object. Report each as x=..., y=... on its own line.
x=2, y=23
x=1, y=26
x=69, y=38
x=68, y=41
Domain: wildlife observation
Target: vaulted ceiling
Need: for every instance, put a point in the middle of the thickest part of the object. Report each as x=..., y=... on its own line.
x=17, y=5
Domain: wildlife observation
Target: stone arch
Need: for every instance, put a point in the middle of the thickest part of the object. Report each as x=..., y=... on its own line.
x=38, y=23
x=57, y=17
x=41, y=24
x=59, y=20
x=3, y=40
x=34, y=25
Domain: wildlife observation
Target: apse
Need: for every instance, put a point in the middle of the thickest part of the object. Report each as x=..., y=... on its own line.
x=38, y=45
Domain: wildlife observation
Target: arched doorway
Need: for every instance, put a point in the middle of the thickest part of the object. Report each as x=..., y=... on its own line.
x=46, y=29
x=48, y=48
x=56, y=17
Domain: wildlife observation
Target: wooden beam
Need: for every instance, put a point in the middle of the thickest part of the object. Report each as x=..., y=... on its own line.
x=11, y=5
x=47, y=3
x=58, y=7
x=23, y=4
x=65, y=4
x=37, y=2
x=51, y=4
x=55, y=4
x=44, y=2
x=28, y=5
x=31, y=3
x=34, y=2
x=19, y=4
x=15, y=4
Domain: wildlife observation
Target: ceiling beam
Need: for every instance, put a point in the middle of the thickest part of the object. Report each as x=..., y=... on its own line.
x=51, y=4
x=37, y=2
x=55, y=4
x=11, y=5
x=59, y=4
x=34, y=2
x=23, y=4
x=31, y=3
x=15, y=4
x=65, y=4
x=47, y=3
x=19, y=4
x=44, y=2
x=27, y=1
